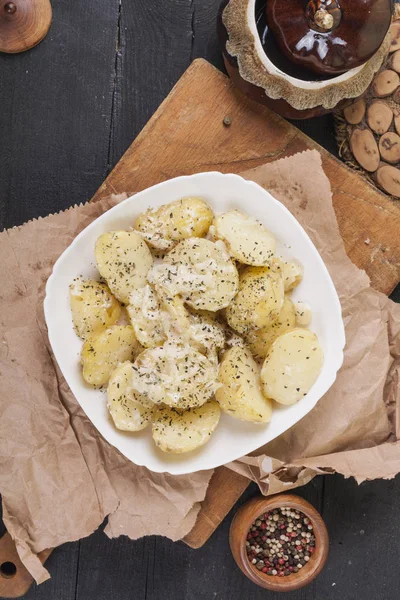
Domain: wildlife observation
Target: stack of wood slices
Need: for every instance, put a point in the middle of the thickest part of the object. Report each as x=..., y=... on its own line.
x=368, y=131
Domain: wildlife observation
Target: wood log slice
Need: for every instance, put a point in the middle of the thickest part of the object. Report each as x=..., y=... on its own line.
x=388, y=178
x=354, y=113
x=395, y=63
x=395, y=32
x=385, y=83
x=396, y=96
x=397, y=123
x=368, y=131
x=389, y=147
x=365, y=149
x=379, y=117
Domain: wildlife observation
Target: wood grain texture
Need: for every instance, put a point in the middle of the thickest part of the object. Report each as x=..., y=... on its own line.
x=154, y=568
x=56, y=103
x=363, y=525
x=218, y=502
x=64, y=571
x=154, y=44
x=189, y=123
x=14, y=583
x=23, y=24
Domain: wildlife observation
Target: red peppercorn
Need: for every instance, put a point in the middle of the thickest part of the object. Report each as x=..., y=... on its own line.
x=249, y=537
x=263, y=526
x=254, y=534
x=264, y=569
x=312, y=550
x=264, y=538
x=281, y=574
x=291, y=569
x=282, y=527
x=281, y=561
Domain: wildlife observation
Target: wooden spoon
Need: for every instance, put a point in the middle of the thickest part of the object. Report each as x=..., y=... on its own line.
x=23, y=24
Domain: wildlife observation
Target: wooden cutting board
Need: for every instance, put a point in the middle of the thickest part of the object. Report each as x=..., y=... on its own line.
x=186, y=135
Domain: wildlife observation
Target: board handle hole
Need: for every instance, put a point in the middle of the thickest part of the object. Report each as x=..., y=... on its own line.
x=8, y=570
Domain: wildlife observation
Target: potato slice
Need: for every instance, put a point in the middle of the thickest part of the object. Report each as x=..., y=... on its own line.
x=103, y=351
x=93, y=306
x=292, y=366
x=201, y=271
x=292, y=273
x=206, y=334
x=260, y=340
x=156, y=316
x=247, y=240
x=183, y=431
x=123, y=259
x=176, y=375
x=303, y=314
x=144, y=312
x=171, y=223
x=240, y=394
x=129, y=410
x=258, y=301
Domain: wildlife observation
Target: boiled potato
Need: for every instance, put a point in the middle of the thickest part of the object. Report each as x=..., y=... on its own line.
x=155, y=316
x=240, y=394
x=234, y=339
x=206, y=334
x=123, y=259
x=174, y=314
x=247, y=240
x=292, y=273
x=258, y=301
x=201, y=271
x=103, y=351
x=292, y=366
x=180, y=431
x=176, y=375
x=260, y=340
x=144, y=310
x=171, y=223
x=93, y=306
x=303, y=313
x=129, y=411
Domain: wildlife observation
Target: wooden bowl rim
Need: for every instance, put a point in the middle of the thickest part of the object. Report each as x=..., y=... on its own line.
x=245, y=517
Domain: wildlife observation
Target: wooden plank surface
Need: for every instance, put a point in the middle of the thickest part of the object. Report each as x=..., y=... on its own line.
x=56, y=104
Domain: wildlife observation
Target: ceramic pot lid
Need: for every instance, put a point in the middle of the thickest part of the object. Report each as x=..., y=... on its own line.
x=329, y=36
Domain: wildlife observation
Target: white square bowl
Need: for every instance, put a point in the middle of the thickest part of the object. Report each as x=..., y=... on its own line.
x=232, y=438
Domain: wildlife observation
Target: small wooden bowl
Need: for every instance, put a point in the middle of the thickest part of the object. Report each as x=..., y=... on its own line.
x=244, y=519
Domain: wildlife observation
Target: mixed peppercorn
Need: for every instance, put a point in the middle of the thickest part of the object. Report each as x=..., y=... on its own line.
x=280, y=542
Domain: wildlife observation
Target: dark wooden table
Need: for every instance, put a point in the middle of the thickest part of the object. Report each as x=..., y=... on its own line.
x=68, y=110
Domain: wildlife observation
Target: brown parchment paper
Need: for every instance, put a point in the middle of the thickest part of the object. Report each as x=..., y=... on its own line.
x=59, y=479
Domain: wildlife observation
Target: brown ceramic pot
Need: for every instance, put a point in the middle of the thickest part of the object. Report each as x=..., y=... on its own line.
x=339, y=90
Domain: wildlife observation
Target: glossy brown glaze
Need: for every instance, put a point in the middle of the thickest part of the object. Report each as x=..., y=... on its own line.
x=257, y=93
x=355, y=29
x=241, y=524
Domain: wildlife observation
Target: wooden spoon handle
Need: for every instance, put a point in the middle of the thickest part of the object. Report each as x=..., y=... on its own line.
x=23, y=24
